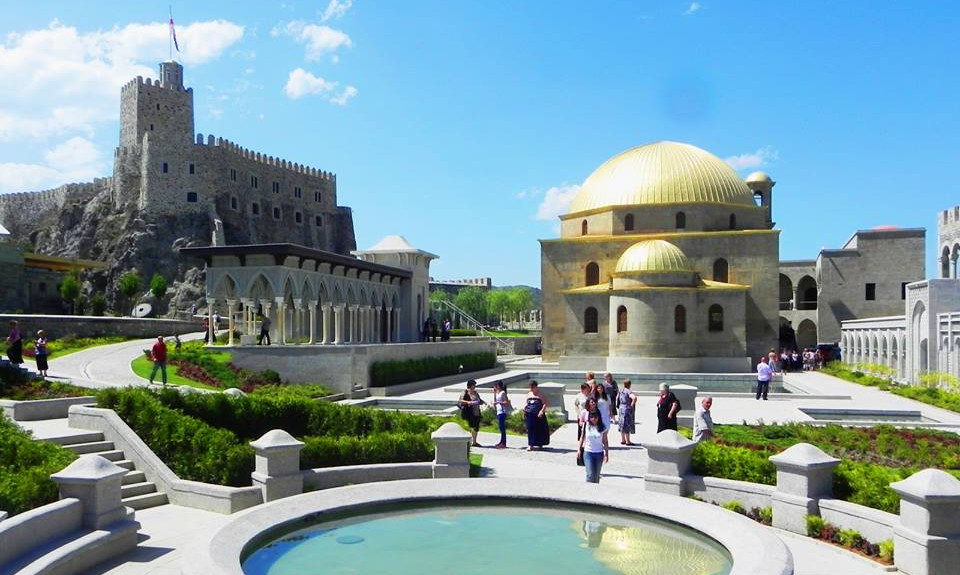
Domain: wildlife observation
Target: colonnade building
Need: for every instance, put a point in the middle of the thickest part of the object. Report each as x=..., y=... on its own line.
x=318, y=297
x=926, y=336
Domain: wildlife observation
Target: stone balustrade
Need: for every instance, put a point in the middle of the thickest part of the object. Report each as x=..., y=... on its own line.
x=804, y=476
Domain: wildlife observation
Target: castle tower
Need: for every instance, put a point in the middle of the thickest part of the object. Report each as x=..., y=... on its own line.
x=161, y=109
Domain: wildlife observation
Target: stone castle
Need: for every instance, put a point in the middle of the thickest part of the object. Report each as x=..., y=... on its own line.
x=173, y=188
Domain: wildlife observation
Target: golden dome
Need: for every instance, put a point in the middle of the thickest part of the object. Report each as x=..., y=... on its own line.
x=759, y=177
x=653, y=256
x=662, y=173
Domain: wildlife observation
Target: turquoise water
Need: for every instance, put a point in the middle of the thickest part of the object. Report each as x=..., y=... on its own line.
x=485, y=540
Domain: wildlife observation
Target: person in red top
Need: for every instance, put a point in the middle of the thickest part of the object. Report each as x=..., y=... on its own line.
x=159, y=354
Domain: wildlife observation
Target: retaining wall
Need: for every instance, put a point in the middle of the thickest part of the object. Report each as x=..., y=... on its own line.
x=58, y=326
x=37, y=409
x=329, y=477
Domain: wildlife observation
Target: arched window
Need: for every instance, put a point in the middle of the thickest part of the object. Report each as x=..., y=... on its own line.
x=593, y=274
x=621, y=319
x=720, y=270
x=628, y=223
x=681, y=220
x=715, y=318
x=733, y=221
x=590, y=320
x=583, y=228
x=680, y=319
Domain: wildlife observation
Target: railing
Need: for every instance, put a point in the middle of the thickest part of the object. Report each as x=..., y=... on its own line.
x=504, y=347
x=802, y=305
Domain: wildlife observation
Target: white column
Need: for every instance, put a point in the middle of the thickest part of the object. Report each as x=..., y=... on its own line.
x=325, y=322
x=210, y=303
x=312, y=307
x=337, y=323
x=389, y=325
x=280, y=322
x=376, y=323
x=396, y=326
x=352, y=324
x=297, y=320
x=231, y=309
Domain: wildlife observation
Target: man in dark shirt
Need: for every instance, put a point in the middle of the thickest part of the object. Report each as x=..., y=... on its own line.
x=667, y=407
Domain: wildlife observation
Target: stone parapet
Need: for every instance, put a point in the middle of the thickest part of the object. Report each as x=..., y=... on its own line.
x=669, y=457
x=452, y=452
x=804, y=476
x=927, y=539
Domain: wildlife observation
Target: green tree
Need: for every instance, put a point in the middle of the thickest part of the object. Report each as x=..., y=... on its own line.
x=70, y=290
x=473, y=301
x=498, y=303
x=439, y=295
x=129, y=285
x=520, y=300
x=98, y=304
x=158, y=286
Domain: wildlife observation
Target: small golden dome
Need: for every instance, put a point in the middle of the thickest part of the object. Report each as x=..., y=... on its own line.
x=662, y=173
x=759, y=178
x=653, y=256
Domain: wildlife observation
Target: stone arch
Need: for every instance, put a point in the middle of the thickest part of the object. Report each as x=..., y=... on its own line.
x=884, y=349
x=895, y=354
x=806, y=293
x=721, y=270
x=806, y=334
x=226, y=287
x=954, y=256
x=307, y=292
x=261, y=289
x=874, y=349
x=918, y=345
x=945, y=262
x=591, y=320
x=680, y=221
x=628, y=223
x=592, y=274
x=786, y=292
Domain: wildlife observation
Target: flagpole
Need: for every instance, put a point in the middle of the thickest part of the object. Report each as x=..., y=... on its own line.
x=170, y=33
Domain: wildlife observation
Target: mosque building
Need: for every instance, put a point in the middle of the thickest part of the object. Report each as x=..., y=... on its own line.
x=667, y=261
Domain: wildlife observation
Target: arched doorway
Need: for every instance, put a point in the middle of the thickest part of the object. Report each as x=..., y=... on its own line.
x=786, y=293
x=806, y=334
x=806, y=293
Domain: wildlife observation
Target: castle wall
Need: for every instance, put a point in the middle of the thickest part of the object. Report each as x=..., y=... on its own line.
x=19, y=210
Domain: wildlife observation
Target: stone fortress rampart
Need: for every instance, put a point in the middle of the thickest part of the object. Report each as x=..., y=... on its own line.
x=19, y=205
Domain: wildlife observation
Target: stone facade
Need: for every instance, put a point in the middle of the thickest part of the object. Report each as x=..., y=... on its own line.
x=866, y=278
x=948, y=232
x=170, y=188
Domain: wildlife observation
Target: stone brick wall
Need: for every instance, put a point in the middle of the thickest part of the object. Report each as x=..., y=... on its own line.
x=57, y=326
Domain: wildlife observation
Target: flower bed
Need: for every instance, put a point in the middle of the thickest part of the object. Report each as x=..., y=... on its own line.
x=850, y=539
x=41, y=389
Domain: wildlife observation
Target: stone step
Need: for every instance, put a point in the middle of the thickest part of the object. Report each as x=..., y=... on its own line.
x=110, y=454
x=134, y=477
x=91, y=447
x=75, y=438
x=134, y=489
x=146, y=501
x=126, y=464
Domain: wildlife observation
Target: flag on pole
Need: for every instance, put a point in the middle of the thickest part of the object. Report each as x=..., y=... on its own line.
x=173, y=32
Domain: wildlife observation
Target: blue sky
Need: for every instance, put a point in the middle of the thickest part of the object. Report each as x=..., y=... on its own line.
x=465, y=125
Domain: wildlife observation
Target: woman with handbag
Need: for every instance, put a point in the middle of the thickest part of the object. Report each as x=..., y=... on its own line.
x=503, y=407
x=470, y=403
x=594, y=450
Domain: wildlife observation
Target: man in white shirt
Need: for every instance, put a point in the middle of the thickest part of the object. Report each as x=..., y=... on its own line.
x=764, y=374
x=702, y=421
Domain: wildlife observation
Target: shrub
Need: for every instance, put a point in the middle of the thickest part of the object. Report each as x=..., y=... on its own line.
x=735, y=506
x=385, y=373
x=815, y=525
x=850, y=538
x=308, y=391
x=462, y=332
x=98, y=305
x=739, y=463
x=885, y=550
x=375, y=448
x=761, y=514
x=25, y=468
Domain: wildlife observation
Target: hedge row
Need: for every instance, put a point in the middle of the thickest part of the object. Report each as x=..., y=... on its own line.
x=205, y=437
x=937, y=397
x=25, y=468
x=386, y=373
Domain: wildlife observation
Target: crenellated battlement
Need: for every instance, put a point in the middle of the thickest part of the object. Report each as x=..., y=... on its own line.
x=14, y=205
x=251, y=155
x=140, y=82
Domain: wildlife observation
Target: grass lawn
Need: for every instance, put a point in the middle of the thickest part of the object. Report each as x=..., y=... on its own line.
x=476, y=463
x=143, y=366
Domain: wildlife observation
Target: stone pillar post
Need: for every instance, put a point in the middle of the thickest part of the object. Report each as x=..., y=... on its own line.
x=352, y=324
x=249, y=317
x=804, y=476
x=95, y=481
x=668, y=463
x=277, y=465
x=396, y=325
x=452, y=453
x=297, y=320
x=312, y=312
x=927, y=539
x=553, y=395
x=337, y=323
x=687, y=395
x=325, y=322
x=231, y=309
x=210, y=303
x=361, y=324
x=389, y=325
x=280, y=323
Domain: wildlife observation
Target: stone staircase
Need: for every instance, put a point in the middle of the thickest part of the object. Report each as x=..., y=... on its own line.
x=136, y=491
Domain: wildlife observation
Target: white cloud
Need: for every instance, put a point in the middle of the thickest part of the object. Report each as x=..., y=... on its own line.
x=556, y=201
x=319, y=40
x=67, y=82
x=301, y=83
x=336, y=9
x=761, y=157
x=75, y=160
x=692, y=9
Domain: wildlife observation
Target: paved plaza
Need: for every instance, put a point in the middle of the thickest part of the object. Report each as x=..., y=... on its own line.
x=168, y=530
